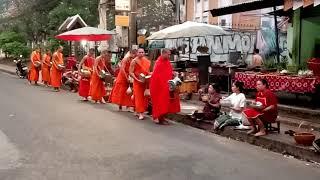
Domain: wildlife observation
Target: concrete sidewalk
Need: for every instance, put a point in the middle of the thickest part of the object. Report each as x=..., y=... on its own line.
x=290, y=115
x=281, y=143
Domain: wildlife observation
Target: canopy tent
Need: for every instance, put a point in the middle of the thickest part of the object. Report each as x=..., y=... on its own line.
x=187, y=30
x=86, y=34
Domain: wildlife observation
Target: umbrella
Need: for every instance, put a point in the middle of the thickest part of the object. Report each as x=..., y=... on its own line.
x=86, y=34
x=186, y=30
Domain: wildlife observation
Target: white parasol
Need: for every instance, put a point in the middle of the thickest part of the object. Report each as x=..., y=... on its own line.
x=186, y=30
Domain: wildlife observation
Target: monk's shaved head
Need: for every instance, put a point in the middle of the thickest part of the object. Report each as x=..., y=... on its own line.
x=165, y=50
x=166, y=54
x=141, y=52
x=60, y=48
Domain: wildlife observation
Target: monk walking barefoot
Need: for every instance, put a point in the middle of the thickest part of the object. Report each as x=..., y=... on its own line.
x=56, y=69
x=86, y=65
x=163, y=101
x=97, y=85
x=140, y=66
x=120, y=94
x=34, y=66
x=45, y=69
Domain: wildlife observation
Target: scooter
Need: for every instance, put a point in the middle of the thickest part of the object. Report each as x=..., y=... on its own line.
x=21, y=68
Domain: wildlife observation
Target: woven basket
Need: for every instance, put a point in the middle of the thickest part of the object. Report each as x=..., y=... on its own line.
x=304, y=138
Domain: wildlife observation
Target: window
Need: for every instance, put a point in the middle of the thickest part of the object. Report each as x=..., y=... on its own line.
x=223, y=22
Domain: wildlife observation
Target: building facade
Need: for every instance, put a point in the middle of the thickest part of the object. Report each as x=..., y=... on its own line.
x=195, y=10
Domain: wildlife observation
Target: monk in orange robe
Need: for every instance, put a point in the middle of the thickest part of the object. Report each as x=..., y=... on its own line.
x=45, y=69
x=119, y=94
x=56, y=69
x=163, y=101
x=97, y=84
x=87, y=64
x=140, y=65
x=34, y=66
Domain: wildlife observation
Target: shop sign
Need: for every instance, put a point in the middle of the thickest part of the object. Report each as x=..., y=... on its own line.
x=122, y=5
x=122, y=21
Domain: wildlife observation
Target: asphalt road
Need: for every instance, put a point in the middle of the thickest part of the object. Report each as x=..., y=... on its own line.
x=46, y=135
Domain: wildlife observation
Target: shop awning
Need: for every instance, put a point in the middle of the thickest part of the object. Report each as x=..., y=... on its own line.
x=246, y=6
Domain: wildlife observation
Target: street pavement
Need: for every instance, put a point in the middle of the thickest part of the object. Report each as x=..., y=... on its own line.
x=54, y=136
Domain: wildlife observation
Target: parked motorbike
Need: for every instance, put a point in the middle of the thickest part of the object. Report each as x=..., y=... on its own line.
x=21, y=68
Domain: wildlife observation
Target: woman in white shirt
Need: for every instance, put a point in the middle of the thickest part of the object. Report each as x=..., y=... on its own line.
x=236, y=102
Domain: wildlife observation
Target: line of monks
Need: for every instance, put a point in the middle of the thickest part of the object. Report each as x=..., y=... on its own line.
x=135, y=85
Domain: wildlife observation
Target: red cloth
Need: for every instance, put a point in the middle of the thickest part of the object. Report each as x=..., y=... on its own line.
x=292, y=84
x=84, y=83
x=267, y=98
x=162, y=104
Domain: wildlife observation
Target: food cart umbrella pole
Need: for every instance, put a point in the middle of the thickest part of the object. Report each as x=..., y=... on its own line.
x=190, y=49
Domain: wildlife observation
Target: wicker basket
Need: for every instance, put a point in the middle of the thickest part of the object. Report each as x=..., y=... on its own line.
x=304, y=138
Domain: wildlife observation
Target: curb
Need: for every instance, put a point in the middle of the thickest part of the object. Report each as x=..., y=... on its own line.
x=299, y=152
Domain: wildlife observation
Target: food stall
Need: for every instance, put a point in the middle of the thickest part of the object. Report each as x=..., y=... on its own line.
x=189, y=69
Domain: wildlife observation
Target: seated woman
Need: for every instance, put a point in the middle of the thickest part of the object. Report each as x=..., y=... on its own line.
x=236, y=102
x=71, y=79
x=212, y=107
x=264, y=110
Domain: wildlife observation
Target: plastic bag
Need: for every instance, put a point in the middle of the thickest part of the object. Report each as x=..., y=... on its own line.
x=129, y=90
x=147, y=92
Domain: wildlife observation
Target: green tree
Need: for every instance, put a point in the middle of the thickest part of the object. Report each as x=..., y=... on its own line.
x=13, y=44
x=16, y=49
x=8, y=37
x=154, y=14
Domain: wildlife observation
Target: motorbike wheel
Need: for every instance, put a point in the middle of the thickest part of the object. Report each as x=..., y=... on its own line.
x=18, y=74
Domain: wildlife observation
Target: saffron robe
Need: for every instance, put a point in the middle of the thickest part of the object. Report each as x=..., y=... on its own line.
x=119, y=94
x=97, y=85
x=33, y=70
x=162, y=103
x=45, y=69
x=56, y=73
x=84, y=84
x=140, y=100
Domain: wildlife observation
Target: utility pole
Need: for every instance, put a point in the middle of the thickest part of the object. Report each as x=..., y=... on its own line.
x=133, y=25
x=177, y=9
